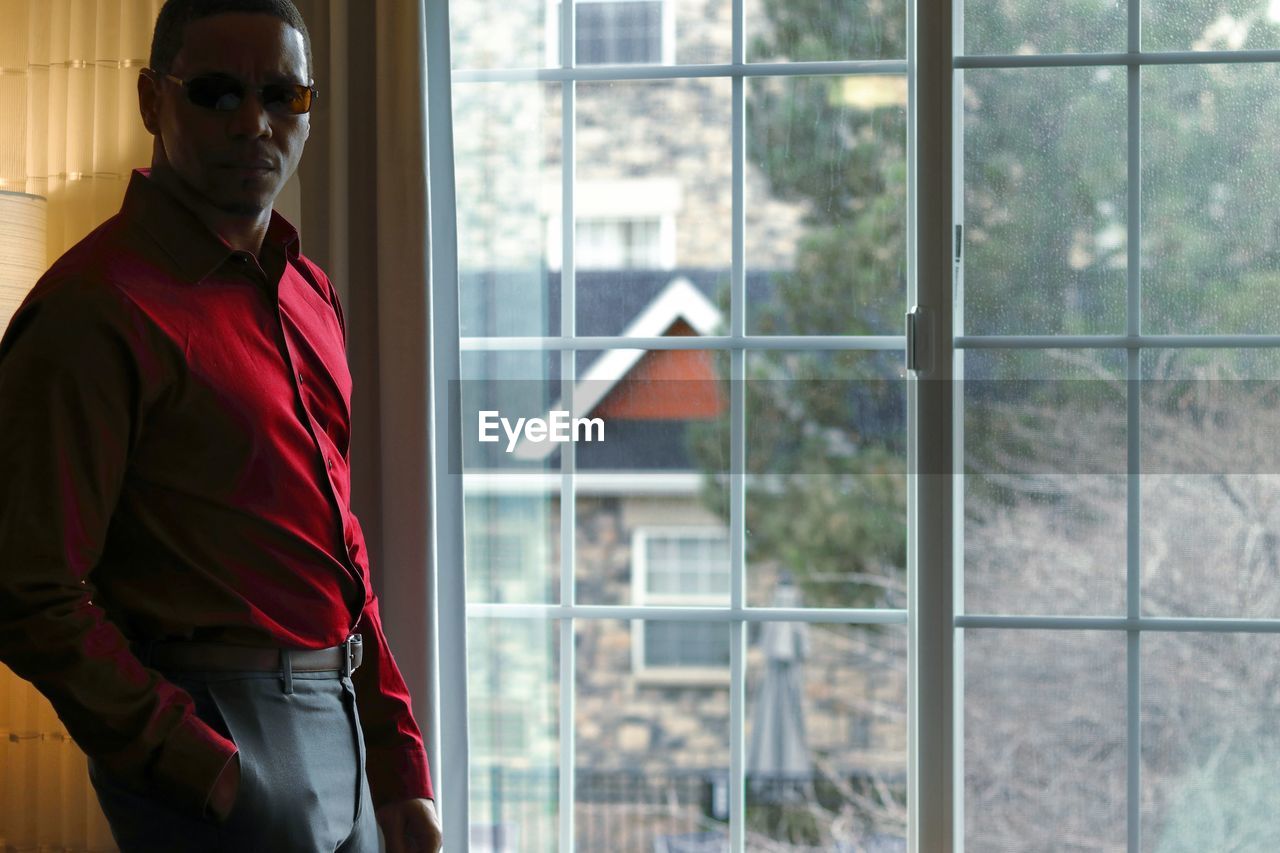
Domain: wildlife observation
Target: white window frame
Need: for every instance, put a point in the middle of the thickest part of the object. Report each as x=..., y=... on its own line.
x=642, y=597
x=552, y=40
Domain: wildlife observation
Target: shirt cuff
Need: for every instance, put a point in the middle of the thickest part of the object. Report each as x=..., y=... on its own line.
x=190, y=762
x=395, y=775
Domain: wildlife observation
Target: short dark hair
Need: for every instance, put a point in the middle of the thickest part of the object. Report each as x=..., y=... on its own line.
x=176, y=14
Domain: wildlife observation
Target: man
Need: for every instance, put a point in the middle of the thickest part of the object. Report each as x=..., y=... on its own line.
x=180, y=571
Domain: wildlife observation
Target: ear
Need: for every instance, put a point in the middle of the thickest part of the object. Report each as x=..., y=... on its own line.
x=149, y=103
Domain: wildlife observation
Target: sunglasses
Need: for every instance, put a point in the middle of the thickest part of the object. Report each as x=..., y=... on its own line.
x=224, y=93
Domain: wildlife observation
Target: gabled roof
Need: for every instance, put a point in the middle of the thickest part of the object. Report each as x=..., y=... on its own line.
x=679, y=301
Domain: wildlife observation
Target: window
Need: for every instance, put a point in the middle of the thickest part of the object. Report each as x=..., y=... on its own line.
x=715, y=257
x=680, y=567
x=617, y=32
x=620, y=244
x=622, y=223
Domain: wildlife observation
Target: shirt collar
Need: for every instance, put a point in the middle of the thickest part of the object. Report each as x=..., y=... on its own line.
x=194, y=247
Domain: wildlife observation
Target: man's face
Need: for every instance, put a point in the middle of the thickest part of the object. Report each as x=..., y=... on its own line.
x=212, y=152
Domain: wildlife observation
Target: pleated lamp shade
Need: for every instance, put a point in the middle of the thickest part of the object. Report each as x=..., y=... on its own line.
x=23, y=235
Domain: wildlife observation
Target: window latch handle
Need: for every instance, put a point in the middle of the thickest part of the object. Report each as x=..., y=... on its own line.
x=917, y=338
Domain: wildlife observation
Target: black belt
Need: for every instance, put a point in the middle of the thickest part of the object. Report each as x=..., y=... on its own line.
x=215, y=657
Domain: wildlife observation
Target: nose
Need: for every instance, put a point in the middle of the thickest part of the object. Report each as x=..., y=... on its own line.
x=251, y=119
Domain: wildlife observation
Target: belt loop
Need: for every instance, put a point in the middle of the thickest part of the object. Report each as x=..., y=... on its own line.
x=286, y=670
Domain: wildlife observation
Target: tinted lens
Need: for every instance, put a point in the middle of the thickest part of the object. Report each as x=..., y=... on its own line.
x=286, y=98
x=215, y=92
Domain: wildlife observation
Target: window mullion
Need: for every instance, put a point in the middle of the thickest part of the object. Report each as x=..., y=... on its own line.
x=1133, y=483
x=737, y=448
x=568, y=456
x=933, y=701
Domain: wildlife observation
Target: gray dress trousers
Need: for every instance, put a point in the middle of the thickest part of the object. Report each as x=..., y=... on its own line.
x=302, y=780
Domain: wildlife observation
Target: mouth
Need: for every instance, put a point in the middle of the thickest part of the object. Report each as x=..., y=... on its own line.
x=254, y=167
x=248, y=175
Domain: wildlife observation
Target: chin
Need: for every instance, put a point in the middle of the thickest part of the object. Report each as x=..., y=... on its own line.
x=244, y=208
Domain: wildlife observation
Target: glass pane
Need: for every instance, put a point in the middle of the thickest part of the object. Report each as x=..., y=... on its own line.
x=1029, y=26
x=826, y=496
x=826, y=205
x=514, y=728
x=692, y=645
x=818, y=30
x=512, y=493
x=703, y=31
x=652, y=202
x=1044, y=741
x=1210, y=221
x=508, y=172
x=1211, y=485
x=652, y=741
x=1044, y=201
x=1210, y=25
x=647, y=530
x=1210, y=742
x=502, y=34
x=1045, y=460
x=826, y=757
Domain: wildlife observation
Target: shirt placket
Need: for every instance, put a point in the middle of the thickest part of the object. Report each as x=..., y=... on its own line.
x=254, y=269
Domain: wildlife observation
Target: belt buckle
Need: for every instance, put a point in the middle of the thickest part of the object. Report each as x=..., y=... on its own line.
x=349, y=646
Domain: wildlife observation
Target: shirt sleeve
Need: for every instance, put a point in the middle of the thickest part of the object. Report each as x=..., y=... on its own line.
x=74, y=385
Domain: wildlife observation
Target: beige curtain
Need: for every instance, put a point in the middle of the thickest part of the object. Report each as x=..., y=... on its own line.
x=70, y=133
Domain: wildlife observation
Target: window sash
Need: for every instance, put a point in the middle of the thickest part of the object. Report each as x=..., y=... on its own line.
x=453, y=609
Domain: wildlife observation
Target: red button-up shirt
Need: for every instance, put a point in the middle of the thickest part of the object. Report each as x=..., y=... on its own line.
x=174, y=432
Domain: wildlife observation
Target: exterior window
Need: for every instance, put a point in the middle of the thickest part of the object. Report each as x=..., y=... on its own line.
x=615, y=32
x=619, y=32
x=619, y=244
x=621, y=223
x=675, y=567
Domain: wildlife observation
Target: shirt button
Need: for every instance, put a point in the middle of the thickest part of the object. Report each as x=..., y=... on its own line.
x=329, y=460
x=300, y=380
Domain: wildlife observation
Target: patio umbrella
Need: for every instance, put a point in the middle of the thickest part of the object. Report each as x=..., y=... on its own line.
x=778, y=755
